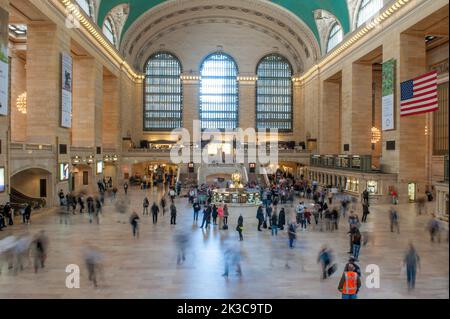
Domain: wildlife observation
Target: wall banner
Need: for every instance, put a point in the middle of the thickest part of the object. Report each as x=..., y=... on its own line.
x=66, y=92
x=388, y=95
x=4, y=62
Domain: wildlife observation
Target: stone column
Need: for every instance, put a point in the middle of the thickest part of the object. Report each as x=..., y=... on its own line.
x=247, y=102
x=191, y=101
x=111, y=112
x=299, y=112
x=408, y=160
x=330, y=118
x=45, y=43
x=357, y=107
x=18, y=91
x=87, y=102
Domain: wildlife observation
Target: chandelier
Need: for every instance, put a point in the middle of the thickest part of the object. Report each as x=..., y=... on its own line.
x=21, y=103
x=376, y=135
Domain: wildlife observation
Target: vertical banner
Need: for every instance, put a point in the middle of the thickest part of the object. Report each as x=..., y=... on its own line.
x=66, y=91
x=388, y=96
x=4, y=62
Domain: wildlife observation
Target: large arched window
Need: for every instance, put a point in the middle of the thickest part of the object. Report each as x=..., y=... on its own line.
x=367, y=10
x=219, y=101
x=335, y=37
x=163, y=103
x=108, y=30
x=274, y=93
x=86, y=6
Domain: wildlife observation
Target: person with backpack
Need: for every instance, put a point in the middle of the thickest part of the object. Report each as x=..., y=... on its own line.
x=155, y=211
x=393, y=217
x=145, y=205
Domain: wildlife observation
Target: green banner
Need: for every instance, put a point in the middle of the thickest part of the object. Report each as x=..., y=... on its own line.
x=388, y=95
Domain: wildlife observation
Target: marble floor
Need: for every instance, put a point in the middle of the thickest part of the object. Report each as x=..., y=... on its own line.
x=147, y=267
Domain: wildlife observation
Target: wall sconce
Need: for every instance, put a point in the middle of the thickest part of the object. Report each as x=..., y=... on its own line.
x=376, y=135
x=90, y=159
x=21, y=103
x=426, y=130
x=76, y=160
x=115, y=158
x=247, y=78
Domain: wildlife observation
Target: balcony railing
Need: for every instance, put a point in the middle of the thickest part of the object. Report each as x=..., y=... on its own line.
x=361, y=163
x=31, y=147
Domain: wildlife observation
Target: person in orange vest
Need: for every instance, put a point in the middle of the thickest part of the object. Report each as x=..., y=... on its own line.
x=350, y=283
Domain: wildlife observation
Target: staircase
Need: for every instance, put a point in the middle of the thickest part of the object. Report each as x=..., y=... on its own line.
x=206, y=170
x=17, y=197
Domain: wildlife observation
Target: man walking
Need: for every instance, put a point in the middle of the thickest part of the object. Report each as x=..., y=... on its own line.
x=145, y=204
x=173, y=214
x=393, y=216
x=412, y=262
x=155, y=211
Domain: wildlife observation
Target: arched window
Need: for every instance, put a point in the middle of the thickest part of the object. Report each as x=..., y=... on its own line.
x=367, y=10
x=86, y=6
x=219, y=101
x=163, y=103
x=108, y=30
x=274, y=93
x=335, y=37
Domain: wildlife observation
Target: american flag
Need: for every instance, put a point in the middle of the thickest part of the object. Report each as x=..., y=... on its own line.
x=419, y=95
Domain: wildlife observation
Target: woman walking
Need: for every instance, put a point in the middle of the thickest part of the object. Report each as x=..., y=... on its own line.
x=240, y=227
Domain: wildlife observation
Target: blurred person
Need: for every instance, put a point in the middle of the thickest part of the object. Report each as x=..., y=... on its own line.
x=412, y=263
x=292, y=229
x=232, y=258
x=134, y=221
x=226, y=214
x=365, y=212
x=282, y=219
x=393, y=217
x=7, y=246
x=81, y=203
x=365, y=197
x=27, y=214
x=90, y=207
x=196, y=208
x=64, y=216
x=220, y=215
x=240, y=227
x=182, y=242
x=274, y=224
x=326, y=259
x=214, y=214
x=40, y=247
x=145, y=205
x=92, y=259
x=206, y=216
x=420, y=205
x=162, y=203
x=350, y=283
x=173, y=214
x=21, y=251
x=356, y=243
x=155, y=211
x=260, y=217
x=434, y=228
x=125, y=188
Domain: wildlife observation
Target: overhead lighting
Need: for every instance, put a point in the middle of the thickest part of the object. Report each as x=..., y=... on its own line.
x=376, y=135
x=21, y=103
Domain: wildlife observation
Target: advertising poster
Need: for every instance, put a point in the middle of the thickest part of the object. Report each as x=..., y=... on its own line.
x=63, y=171
x=388, y=96
x=99, y=167
x=66, y=92
x=2, y=179
x=4, y=62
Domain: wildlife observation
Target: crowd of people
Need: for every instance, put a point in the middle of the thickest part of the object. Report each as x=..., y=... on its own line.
x=288, y=207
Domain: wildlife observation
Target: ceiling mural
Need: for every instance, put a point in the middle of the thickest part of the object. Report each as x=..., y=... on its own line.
x=303, y=9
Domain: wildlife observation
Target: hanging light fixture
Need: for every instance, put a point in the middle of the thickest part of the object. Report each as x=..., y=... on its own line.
x=21, y=103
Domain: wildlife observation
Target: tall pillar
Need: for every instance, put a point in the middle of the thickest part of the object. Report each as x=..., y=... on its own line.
x=247, y=103
x=191, y=102
x=299, y=113
x=18, y=93
x=87, y=102
x=45, y=43
x=111, y=112
x=356, y=106
x=330, y=118
x=408, y=159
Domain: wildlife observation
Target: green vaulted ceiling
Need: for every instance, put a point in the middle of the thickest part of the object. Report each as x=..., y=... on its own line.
x=304, y=9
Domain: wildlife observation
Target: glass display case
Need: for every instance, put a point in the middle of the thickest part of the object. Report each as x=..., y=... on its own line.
x=236, y=196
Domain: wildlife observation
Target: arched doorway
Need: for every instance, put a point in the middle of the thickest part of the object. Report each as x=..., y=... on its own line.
x=83, y=178
x=32, y=185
